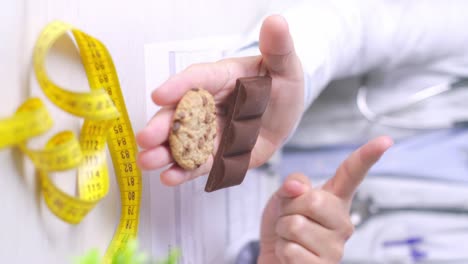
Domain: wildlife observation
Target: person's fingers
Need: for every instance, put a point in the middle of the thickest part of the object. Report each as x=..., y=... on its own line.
x=353, y=170
x=277, y=47
x=321, y=207
x=154, y=158
x=295, y=184
x=156, y=131
x=292, y=253
x=218, y=78
x=278, y=54
x=176, y=175
x=315, y=238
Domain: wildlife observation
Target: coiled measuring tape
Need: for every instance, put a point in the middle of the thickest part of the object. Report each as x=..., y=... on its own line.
x=106, y=123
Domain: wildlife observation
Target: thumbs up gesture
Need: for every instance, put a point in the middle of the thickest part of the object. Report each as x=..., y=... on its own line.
x=278, y=58
x=304, y=224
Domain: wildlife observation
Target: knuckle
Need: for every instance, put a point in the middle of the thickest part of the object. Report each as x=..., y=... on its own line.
x=192, y=67
x=347, y=168
x=225, y=62
x=316, y=201
x=337, y=252
x=348, y=230
x=226, y=66
x=287, y=251
x=291, y=226
x=297, y=225
x=198, y=67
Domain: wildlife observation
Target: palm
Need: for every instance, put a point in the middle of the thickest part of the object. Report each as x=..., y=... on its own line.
x=279, y=117
x=282, y=112
x=285, y=106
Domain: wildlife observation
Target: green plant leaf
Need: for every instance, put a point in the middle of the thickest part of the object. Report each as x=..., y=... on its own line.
x=173, y=257
x=91, y=257
x=128, y=255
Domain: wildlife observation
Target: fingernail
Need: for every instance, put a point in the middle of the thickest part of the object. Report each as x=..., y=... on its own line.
x=297, y=184
x=388, y=142
x=296, y=187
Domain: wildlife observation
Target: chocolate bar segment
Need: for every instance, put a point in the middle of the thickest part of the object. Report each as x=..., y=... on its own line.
x=253, y=98
x=245, y=108
x=243, y=135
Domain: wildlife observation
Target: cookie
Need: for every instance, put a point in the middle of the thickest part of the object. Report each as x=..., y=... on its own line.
x=193, y=129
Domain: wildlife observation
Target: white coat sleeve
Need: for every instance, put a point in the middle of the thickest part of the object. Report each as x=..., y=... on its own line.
x=336, y=38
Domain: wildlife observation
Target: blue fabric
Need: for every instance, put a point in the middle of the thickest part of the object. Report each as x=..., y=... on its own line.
x=441, y=155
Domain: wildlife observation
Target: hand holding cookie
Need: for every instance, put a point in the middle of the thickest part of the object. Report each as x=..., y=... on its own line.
x=218, y=79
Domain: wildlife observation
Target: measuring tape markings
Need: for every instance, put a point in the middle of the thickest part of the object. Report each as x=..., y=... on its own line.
x=121, y=142
x=30, y=120
x=106, y=123
x=68, y=208
x=95, y=104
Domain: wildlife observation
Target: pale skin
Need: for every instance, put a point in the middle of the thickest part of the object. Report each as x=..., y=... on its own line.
x=306, y=224
x=301, y=223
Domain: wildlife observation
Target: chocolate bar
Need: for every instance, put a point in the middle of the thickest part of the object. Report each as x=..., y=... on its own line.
x=245, y=108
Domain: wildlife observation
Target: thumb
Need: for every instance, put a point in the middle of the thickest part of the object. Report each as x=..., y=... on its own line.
x=295, y=185
x=277, y=47
x=353, y=170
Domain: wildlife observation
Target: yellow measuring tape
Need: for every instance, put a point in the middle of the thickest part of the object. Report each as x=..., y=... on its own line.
x=106, y=123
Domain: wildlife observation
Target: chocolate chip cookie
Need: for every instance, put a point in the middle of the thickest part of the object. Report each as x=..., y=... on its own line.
x=193, y=130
